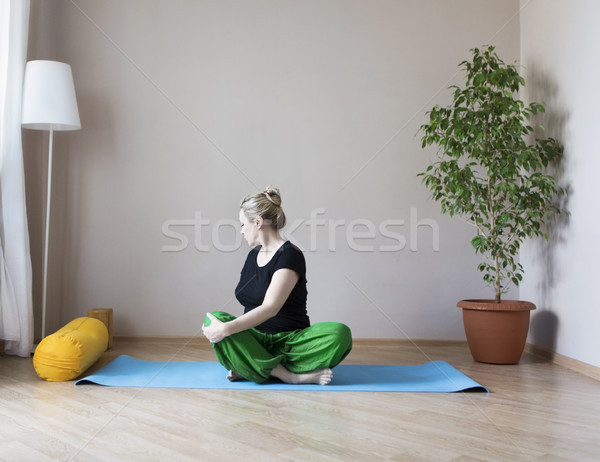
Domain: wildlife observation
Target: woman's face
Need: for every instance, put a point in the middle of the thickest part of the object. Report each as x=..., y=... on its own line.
x=249, y=230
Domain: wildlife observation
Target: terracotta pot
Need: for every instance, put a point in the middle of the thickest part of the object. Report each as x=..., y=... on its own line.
x=496, y=332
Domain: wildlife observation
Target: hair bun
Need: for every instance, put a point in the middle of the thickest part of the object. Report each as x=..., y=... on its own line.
x=273, y=195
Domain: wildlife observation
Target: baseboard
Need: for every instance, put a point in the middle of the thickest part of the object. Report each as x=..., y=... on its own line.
x=564, y=361
x=405, y=341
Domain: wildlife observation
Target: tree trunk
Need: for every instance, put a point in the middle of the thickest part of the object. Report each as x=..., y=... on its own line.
x=498, y=286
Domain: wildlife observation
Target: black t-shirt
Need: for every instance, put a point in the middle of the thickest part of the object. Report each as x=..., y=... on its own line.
x=255, y=280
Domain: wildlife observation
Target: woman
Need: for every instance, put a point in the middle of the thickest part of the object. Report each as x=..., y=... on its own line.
x=274, y=336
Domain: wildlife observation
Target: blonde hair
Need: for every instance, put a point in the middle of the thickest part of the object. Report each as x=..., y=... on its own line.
x=265, y=204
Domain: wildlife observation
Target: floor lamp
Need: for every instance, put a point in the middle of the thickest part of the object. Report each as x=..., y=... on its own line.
x=49, y=103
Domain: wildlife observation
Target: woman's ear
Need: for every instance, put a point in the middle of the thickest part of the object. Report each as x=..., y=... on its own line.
x=259, y=222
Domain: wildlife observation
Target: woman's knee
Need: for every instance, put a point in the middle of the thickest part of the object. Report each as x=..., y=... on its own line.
x=340, y=333
x=345, y=335
x=340, y=342
x=220, y=315
x=341, y=330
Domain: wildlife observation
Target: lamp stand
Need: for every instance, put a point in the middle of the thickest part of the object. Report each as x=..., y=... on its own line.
x=49, y=103
x=47, y=234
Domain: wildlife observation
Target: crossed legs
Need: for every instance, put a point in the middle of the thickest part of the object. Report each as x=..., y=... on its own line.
x=303, y=356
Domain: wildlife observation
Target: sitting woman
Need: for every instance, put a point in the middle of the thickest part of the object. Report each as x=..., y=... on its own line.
x=274, y=336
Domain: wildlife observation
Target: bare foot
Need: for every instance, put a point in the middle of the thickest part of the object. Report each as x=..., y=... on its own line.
x=321, y=376
x=234, y=377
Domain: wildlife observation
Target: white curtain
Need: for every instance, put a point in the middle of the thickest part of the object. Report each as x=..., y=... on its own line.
x=16, y=312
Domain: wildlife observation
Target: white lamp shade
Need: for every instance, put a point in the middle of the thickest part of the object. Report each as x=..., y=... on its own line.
x=49, y=97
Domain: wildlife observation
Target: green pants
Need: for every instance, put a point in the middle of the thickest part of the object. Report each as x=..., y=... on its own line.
x=253, y=354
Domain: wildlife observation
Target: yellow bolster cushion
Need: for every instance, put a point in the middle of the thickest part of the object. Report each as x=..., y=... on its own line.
x=71, y=350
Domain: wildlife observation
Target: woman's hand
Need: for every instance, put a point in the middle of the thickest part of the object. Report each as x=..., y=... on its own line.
x=216, y=331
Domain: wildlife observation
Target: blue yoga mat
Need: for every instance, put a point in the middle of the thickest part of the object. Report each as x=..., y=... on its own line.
x=434, y=376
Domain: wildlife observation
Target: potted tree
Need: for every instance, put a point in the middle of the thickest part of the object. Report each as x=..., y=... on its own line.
x=488, y=174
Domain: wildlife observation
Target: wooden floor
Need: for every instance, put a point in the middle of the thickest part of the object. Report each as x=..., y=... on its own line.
x=536, y=411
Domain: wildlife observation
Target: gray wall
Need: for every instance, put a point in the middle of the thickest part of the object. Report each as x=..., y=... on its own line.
x=559, y=45
x=187, y=106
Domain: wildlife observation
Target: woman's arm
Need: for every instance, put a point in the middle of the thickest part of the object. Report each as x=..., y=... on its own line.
x=279, y=290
